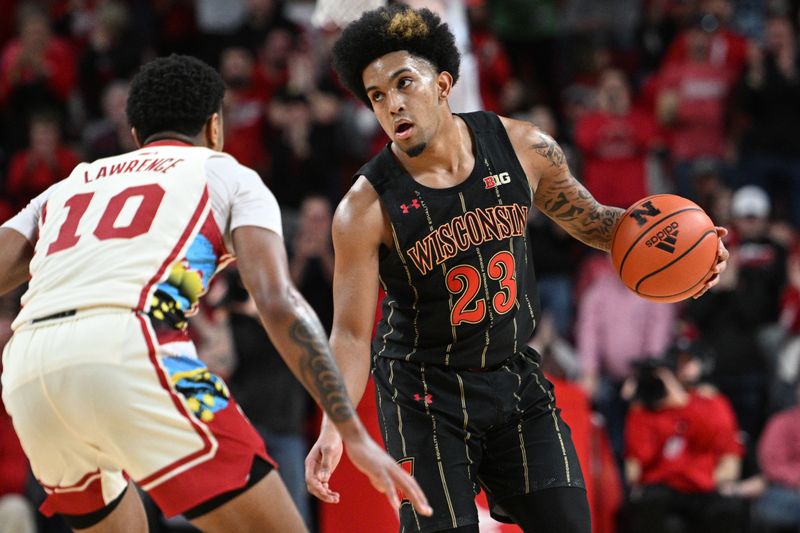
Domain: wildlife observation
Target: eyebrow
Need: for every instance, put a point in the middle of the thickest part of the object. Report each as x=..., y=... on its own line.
x=393, y=76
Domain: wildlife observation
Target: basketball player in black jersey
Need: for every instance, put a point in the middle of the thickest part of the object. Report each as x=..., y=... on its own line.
x=438, y=220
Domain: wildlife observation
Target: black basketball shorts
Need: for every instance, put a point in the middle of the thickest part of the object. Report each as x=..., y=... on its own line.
x=458, y=431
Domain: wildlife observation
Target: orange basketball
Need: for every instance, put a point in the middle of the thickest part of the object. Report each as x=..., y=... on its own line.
x=664, y=248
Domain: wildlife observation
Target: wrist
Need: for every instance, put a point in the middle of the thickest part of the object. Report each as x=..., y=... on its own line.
x=351, y=430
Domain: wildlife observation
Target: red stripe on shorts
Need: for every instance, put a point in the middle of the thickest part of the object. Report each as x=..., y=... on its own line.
x=179, y=405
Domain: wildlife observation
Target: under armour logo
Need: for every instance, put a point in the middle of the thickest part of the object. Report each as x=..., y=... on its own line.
x=414, y=204
x=428, y=398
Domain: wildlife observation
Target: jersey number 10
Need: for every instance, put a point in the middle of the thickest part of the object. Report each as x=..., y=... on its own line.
x=465, y=281
x=140, y=222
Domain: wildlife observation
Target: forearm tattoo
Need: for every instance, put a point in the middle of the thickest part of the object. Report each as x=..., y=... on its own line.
x=318, y=370
x=566, y=201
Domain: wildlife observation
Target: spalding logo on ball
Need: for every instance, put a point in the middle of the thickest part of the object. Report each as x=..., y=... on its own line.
x=664, y=248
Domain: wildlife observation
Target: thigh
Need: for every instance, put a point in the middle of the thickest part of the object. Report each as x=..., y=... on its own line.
x=532, y=449
x=49, y=391
x=429, y=433
x=248, y=512
x=562, y=509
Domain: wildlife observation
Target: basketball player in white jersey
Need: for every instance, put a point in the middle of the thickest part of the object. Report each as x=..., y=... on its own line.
x=100, y=377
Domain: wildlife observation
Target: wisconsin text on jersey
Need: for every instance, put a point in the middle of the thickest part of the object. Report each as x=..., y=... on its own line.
x=135, y=165
x=473, y=228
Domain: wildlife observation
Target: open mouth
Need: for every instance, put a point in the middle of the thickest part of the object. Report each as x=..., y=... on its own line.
x=403, y=130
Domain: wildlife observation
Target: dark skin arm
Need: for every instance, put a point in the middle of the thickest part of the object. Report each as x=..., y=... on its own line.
x=559, y=195
x=15, y=259
x=360, y=226
x=296, y=332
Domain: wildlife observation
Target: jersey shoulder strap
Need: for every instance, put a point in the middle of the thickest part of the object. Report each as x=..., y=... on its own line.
x=380, y=170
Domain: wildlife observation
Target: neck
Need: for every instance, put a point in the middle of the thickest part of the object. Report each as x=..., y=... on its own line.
x=172, y=135
x=448, y=150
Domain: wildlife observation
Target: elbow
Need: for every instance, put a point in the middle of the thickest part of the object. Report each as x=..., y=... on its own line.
x=276, y=305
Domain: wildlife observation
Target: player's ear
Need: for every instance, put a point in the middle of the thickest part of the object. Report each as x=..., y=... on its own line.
x=135, y=136
x=213, y=132
x=445, y=83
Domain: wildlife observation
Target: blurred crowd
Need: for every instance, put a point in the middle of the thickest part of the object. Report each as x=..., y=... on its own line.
x=700, y=98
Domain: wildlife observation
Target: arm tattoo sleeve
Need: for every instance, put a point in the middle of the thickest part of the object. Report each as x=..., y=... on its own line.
x=548, y=148
x=561, y=197
x=318, y=369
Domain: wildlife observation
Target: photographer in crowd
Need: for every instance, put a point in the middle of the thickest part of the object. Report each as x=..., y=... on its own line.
x=681, y=447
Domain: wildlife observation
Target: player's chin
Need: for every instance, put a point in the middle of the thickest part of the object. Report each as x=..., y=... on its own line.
x=414, y=149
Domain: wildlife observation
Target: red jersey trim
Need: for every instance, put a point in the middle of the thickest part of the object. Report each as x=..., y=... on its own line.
x=173, y=255
x=209, y=447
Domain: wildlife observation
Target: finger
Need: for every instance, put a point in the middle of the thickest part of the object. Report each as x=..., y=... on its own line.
x=325, y=467
x=413, y=492
x=321, y=491
x=721, y=232
x=391, y=493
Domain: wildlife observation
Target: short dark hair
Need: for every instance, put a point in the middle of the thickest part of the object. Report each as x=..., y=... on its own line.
x=389, y=29
x=176, y=93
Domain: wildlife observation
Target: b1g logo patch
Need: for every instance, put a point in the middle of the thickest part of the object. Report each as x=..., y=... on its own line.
x=496, y=180
x=407, y=464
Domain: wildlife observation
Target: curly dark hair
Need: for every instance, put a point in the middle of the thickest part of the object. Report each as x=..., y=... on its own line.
x=176, y=93
x=390, y=29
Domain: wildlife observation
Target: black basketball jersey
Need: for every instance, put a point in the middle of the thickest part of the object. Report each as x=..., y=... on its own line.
x=459, y=281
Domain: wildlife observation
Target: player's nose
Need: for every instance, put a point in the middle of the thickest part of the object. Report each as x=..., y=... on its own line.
x=396, y=102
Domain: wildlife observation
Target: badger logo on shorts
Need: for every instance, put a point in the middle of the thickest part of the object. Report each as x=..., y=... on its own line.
x=665, y=239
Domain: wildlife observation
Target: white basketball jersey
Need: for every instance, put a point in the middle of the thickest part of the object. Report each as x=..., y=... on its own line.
x=112, y=231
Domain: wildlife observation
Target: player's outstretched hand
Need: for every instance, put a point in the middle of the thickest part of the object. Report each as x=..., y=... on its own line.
x=386, y=476
x=722, y=263
x=321, y=461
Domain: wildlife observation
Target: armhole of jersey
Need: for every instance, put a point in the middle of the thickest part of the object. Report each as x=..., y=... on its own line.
x=378, y=170
x=502, y=134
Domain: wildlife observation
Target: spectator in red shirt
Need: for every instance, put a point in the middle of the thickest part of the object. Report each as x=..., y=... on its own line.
x=691, y=104
x=615, y=141
x=37, y=70
x=681, y=447
x=494, y=67
x=45, y=162
x=727, y=48
x=779, y=458
x=244, y=107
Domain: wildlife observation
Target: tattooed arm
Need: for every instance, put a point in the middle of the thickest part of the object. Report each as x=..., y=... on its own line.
x=300, y=339
x=291, y=323
x=557, y=193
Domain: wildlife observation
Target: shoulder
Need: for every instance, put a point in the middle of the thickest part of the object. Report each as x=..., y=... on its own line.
x=527, y=139
x=224, y=170
x=519, y=130
x=361, y=213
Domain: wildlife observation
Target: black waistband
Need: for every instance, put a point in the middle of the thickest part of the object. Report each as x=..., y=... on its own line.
x=62, y=314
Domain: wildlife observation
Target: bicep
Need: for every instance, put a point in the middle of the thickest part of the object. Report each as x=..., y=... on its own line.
x=262, y=263
x=355, y=283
